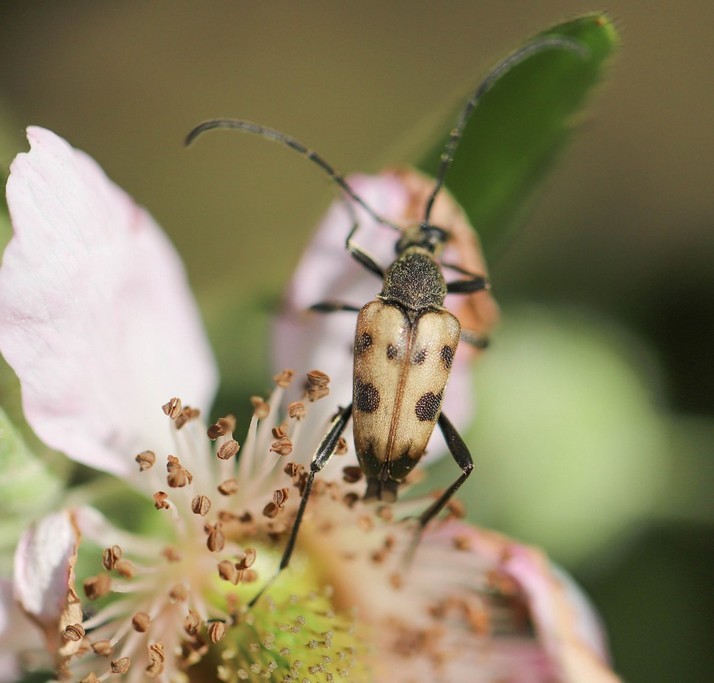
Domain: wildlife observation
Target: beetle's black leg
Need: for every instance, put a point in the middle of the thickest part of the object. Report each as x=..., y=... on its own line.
x=473, y=284
x=462, y=456
x=478, y=341
x=362, y=257
x=356, y=252
x=319, y=460
x=333, y=306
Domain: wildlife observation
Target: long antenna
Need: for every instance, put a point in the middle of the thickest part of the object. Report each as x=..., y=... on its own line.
x=523, y=53
x=292, y=143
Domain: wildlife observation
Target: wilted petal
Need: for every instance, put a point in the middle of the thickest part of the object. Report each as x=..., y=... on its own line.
x=96, y=317
x=44, y=576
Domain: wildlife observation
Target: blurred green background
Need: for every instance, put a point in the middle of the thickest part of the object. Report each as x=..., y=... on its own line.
x=595, y=432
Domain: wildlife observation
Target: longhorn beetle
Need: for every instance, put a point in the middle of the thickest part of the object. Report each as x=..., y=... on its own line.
x=405, y=339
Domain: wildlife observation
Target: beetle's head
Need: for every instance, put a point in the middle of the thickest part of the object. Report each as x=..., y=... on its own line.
x=429, y=237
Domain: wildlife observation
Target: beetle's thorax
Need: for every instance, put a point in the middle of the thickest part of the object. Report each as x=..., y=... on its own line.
x=414, y=281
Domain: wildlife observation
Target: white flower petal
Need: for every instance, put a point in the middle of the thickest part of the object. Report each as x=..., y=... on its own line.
x=96, y=317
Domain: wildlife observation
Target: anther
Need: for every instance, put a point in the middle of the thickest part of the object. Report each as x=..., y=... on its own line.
x=352, y=474
x=120, y=666
x=173, y=408
x=179, y=593
x=221, y=427
x=317, y=385
x=284, y=378
x=192, y=623
x=462, y=543
x=178, y=476
x=73, y=633
x=228, y=571
x=216, y=631
x=186, y=415
x=141, y=621
x=283, y=446
x=97, y=586
x=146, y=460
x=249, y=555
x=216, y=540
x=125, y=568
x=171, y=554
x=200, y=505
x=456, y=509
x=228, y=449
x=297, y=410
x=261, y=408
x=161, y=500
x=228, y=487
x=156, y=659
x=103, y=648
x=110, y=557
x=341, y=447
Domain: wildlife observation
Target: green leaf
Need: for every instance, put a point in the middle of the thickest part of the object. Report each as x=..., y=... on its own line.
x=520, y=125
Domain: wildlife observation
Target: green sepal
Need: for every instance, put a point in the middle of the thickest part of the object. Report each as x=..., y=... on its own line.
x=520, y=125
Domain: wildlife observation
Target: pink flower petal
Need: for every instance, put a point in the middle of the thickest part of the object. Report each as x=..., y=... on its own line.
x=565, y=621
x=18, y=635
x=96, y=317
x=568, y=635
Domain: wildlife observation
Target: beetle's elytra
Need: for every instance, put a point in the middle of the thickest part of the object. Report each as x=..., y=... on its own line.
x=405, y=340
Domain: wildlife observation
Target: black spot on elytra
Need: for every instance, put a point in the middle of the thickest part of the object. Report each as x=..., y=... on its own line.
x=362, y=343
x=419, y=357
x=366, y=396
x=392, y=351
x=427, y=407
x=447, y=355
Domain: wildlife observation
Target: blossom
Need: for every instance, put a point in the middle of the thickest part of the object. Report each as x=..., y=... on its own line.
x=97, y=321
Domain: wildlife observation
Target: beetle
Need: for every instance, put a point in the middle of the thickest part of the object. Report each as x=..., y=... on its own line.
x=405, y=340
